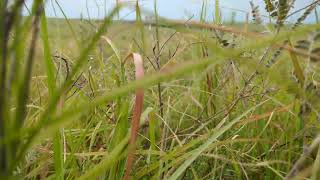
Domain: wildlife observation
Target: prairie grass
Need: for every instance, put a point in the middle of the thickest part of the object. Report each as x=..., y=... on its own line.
x=200, y=100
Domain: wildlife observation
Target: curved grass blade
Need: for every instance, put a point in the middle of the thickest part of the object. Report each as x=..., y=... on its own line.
x=49, y=66
x=138, y=63
x=57, y=139
x=113, y=47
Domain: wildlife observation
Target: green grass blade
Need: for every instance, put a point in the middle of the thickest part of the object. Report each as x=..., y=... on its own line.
x=108, y=162
x=316, y=15
x=24, y=88
x=140, y=25
x=58, y=156
x=54, y=99
x=69, y=24
x=217, y=14
x=296, y=65
x=152, y=130
x=150, y=80
x=2, y=87
x=216, y=134
x=47, y=55
x=114, y=48
x=57, y=139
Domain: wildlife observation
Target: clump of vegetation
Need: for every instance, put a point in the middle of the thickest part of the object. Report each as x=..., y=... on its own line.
x=199, y=99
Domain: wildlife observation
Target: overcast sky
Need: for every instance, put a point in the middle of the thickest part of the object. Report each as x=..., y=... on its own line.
x=174, y=9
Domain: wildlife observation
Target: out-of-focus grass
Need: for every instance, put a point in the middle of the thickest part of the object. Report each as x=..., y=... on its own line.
x=212, y=108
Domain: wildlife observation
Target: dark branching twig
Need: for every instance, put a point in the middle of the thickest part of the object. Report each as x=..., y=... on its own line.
x=66, y=64
x=144, y=54
x=78, y=83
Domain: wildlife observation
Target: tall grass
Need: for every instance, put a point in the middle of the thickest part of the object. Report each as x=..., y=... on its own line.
x=201, y=101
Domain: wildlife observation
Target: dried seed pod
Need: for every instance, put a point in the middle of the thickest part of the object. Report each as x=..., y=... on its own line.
x=255, y=13
x=315, y=52
x=225, y=43
x=276, y=55
x=283, y=10
x=63, y=66
x=303, y=44
x=304, y=15
x=274, y=58
x=269, y=6
x=294, y=76
x=274, y=14
x=316, y=36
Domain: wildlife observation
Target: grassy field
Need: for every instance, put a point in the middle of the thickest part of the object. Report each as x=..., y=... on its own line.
x=211, y=100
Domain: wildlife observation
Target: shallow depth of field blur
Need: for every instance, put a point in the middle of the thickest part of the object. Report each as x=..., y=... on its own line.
x=231, y=90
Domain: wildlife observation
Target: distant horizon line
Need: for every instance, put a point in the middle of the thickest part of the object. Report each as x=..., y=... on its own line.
x=148, y=21
x=184, y=12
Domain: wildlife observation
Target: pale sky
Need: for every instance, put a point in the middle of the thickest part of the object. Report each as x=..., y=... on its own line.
x=174, y=9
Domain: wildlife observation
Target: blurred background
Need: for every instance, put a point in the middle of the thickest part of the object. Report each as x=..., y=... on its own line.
x=173, y=9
